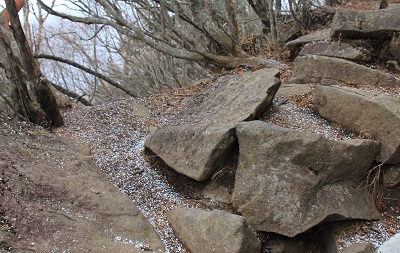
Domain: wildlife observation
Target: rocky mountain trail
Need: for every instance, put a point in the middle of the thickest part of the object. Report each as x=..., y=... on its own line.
x=116, y=133
x=319, y=68
x=299, y=154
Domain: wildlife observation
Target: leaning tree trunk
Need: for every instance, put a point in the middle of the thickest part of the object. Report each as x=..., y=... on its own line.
x=31, y=95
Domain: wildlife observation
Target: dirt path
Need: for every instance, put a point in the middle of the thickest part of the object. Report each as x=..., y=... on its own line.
x=116, y=135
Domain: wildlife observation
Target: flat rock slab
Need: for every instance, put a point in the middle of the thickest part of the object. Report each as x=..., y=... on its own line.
x=287, y=90
x=296, y=44
x=334, y=49
x=361, y=111
x=288, y=181
x=200, y=146
x=216, y=231
x=331, y=71
x=235, y=98
x=59, y=201
x=365, y=24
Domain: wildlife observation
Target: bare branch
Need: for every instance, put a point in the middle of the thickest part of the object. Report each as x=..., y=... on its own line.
x=71, y=94
x=85, y=20
x=87, y=70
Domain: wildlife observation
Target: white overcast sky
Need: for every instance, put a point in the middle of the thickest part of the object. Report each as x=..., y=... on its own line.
x=60, y=5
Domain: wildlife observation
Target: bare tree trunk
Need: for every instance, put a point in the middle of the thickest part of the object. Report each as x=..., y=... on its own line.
x=279, y=27
x=261, y=8
x=31, y=93
x=306, y=15
x=294, y=15
x=27, y=25
x=234, y=29
x=273, y=28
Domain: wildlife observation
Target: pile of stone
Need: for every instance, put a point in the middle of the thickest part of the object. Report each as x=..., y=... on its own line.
x=289, y=181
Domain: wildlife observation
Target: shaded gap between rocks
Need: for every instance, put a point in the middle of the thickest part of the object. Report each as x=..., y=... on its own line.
x=191, y=189
x=314, y=240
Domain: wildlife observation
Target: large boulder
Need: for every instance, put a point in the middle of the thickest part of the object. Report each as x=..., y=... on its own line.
x=234, y=98
x=378, y=116
x=365, y=24
x=216, y=231
x=199, y=147
x=57, y=200
x=194, y=150
x=296, y=44
x=330, y=71
x=335, y=49
x=288, y=181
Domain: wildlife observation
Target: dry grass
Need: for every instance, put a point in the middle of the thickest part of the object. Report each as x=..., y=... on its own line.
x=373, y=180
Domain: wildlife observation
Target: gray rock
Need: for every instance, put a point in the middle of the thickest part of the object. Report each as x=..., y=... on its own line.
x=217, y=192
x=152, y=129
x=391, y=245
x=217, y=231
x=288, y=181
x=393, y=66
x=360, y=248
x=335, y=49
x=365, y=24
x=296, y=44
x=287, y=90
x=140, y=110
x=198, y=148
x=330, y=71
x=194, y=150
x=235, y=98
x=378, y=116
x=391, y=176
